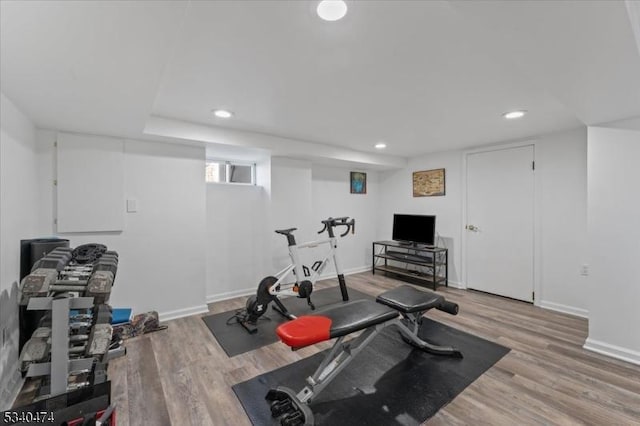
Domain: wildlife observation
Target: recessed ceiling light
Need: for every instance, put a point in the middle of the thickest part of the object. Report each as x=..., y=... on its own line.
x=332, y=10
x=381, y=145
x=514, y=114
x=222, y=113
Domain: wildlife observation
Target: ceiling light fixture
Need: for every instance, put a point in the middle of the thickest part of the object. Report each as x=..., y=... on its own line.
x=222, y=113
x=514, y=114
x=332, y=10
x=381, y=145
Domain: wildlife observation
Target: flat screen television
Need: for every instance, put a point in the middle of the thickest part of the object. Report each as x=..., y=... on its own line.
x=414, y=229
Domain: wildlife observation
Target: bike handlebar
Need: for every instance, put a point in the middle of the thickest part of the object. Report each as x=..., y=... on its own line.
x=332, y=222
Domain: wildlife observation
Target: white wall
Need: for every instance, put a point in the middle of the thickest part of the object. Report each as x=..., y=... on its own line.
x=237, y=223
x=291, y=207
x=162, y=248
x=396, y=196
x=561, y=188
x=242, y=247
x=303, y=194
x=560, y=180
x=93, y=166
x=332, y=197
x=614, y=242
x=18, y=220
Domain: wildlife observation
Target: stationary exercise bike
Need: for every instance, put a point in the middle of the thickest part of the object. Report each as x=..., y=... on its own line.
x=272, y=287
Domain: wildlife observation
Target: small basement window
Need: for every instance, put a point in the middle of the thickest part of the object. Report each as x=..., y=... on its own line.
x=220, y=171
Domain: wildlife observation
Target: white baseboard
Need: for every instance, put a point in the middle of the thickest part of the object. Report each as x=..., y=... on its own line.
x=613, y=351
x=456, y=284
x=231, y=294
x=558, y=307
x=358, y=270
x=347, y=272
x=179, y=313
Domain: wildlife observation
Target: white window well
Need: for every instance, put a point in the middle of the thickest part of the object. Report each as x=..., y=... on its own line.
x=221, y=171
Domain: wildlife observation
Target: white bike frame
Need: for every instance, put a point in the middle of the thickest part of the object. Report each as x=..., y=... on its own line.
x=280, y=288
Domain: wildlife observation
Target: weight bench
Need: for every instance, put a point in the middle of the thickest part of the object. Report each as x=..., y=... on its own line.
x=402, y=307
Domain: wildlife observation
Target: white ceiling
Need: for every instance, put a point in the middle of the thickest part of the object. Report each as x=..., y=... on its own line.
x=421, y=76
x=90, y=67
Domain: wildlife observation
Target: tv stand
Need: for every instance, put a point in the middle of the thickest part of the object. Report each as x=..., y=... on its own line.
x=423, y=265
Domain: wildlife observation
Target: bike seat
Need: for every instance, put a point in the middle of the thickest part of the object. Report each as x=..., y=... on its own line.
x=285, y=231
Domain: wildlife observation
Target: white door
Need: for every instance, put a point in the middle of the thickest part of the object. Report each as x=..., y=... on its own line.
x=499, y=229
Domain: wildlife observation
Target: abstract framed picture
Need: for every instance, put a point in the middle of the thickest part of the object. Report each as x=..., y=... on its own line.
x=429, y=183
x=358, y=182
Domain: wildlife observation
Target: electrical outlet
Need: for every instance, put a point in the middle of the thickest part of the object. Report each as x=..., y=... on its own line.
x=584, y=270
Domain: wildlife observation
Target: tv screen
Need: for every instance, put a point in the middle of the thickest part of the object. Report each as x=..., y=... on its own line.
x=417, y=229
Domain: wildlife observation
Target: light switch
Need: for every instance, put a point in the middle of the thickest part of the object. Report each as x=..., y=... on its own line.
x=132, y=206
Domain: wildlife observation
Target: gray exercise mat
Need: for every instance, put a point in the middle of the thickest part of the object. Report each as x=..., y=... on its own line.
x=235, y=340
x=389, y=383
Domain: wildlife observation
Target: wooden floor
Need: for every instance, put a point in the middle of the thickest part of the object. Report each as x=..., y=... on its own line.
x=181, y=376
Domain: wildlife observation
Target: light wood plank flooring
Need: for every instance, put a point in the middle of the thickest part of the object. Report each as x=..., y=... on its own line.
x=181, y=376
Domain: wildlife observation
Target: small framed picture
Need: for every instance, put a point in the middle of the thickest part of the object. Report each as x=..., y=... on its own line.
x=358, y=183
x=428, y=183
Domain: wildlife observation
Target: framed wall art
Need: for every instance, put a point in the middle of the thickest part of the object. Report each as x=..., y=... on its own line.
x=358, y=182
x=429, y=183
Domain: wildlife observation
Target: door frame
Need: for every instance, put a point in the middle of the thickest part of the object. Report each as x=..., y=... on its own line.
x=537, y=258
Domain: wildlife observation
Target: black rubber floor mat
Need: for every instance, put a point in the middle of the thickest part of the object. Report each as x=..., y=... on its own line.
x=390, y=382
x=235, y=340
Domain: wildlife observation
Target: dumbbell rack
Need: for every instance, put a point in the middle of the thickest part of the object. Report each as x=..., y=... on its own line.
x=85, y=354
x=69, y=352
x=60, y=366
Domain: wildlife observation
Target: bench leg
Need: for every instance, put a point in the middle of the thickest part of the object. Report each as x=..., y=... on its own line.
x=409, y=333
x=338, y=358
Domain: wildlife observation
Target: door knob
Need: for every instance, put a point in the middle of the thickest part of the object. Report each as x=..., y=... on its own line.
x=472, y=228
